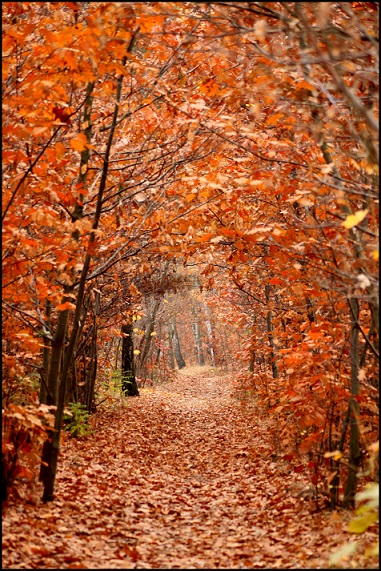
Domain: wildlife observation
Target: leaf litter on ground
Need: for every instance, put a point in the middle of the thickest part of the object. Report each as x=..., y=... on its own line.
x=182, y=477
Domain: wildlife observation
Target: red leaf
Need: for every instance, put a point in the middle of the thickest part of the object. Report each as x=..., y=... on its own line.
x=62, y=114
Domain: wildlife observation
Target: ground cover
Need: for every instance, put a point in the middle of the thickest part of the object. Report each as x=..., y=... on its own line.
x=183, y=476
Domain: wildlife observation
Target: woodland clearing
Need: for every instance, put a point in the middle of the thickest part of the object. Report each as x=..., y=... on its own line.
x=183, y=476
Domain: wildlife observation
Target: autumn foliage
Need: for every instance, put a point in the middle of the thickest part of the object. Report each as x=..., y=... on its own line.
x=200, y=179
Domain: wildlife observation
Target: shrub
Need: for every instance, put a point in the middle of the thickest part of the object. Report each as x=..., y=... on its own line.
x=76, y=420
x=24, y=429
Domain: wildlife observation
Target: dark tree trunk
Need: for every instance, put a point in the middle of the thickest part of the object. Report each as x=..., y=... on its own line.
x=172, y=363
x=273, y=363
x=176, y=347
x=129, y=386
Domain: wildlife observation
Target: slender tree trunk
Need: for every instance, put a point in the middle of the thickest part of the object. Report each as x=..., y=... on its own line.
x=117, y=350
x=46, y=353
x=56, y=354
x=274, y=366
x=90, y=386
x=335, y=467
x=198, y=343
x=172, y=363
x=354, y=429
x=176, y=346
x=148, y=334
x=209, y=329
x=195, y=309
x=129, y=386
x=252, y=361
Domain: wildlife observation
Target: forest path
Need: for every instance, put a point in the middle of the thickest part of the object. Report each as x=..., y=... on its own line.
x=181, y=477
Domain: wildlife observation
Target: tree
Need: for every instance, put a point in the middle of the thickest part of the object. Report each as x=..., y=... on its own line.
x=176, y=345
x=129, y=385
x=238, y=138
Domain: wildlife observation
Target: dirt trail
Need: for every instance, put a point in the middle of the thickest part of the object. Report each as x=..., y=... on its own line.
x=181, y=477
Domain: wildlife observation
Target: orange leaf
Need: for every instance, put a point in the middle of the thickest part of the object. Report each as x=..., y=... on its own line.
x=228, y=232
x=209, y=87
x=65, y=306
x=274, y=119
x=79, y=143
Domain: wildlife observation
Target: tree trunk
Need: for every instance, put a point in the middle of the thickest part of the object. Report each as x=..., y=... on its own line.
x=354, y=429
x=46, y=357
x=209, y=329
x=274, y=366
x=90, y=386
x=148, y=336
x=56, y=354
x=198, y=344
x=176, y=346
x=172, y=363
x=129, y=386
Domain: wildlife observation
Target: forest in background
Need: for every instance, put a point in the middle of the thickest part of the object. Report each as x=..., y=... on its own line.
x=192, y=183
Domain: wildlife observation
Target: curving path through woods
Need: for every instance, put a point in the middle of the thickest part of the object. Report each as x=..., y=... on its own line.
x=182, y=477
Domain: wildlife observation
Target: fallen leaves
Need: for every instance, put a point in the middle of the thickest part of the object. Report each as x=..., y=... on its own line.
x=182, y=477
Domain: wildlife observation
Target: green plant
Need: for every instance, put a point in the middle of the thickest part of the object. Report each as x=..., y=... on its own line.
x=117, y=379
x=76, y=420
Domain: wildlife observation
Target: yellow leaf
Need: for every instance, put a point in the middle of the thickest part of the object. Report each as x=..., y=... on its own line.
x=136, y=352
x=354, y=219
x=342, y=553
x=361, y=523
x=336, y=455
